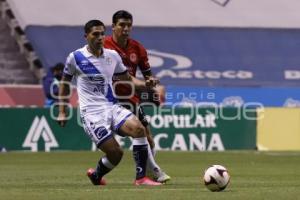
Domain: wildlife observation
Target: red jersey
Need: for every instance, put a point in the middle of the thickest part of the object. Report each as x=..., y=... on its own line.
x=134, y=56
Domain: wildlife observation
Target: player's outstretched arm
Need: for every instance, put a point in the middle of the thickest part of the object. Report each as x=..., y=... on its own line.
x=138, y=84
x=63, y=98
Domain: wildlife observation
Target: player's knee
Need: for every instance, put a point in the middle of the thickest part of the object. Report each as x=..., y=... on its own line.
x=139, y=131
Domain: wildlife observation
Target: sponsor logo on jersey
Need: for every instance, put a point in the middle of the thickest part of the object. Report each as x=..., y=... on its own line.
x=108, y=61
x=133, y=57
x=84, y=62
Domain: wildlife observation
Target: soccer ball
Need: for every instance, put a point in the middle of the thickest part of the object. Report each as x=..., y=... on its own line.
x=216, y=178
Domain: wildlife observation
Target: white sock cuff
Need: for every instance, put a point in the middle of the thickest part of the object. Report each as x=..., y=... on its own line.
x=139, y=141
x=151, y=162
x=153, y=152
x=107, y=163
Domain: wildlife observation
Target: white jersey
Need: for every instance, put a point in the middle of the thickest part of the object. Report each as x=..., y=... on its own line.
x=93, y=77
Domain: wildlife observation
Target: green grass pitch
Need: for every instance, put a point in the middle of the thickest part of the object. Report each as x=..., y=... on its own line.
x=61, y=175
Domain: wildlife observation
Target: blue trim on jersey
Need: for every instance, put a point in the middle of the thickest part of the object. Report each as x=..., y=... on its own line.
x=88, y=68
x=122, y=122
x=84, y=64
x=110, y=95
x=103, y=140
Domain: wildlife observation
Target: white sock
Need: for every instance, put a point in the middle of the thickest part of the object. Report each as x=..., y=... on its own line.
x=151, y=164
x=107, y=163
x=139, y=141
x=153, y=152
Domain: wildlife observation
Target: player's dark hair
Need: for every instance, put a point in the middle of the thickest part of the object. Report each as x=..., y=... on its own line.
x=121, y=14
x=94, y=22
x=58, y=66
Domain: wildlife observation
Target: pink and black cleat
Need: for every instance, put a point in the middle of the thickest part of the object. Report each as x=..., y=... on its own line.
x=94, y=178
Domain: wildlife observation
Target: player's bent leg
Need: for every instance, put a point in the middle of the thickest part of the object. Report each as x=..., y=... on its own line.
x=157, y=173
x=113, y=156
x=113, y=151
x=132, y=127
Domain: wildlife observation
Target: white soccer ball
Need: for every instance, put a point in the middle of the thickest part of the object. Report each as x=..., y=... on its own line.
x=216, y=178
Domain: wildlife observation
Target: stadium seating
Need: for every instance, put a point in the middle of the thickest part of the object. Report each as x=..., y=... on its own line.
x=14, y=68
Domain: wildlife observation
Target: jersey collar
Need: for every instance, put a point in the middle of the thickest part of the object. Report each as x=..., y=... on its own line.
x=87, y=54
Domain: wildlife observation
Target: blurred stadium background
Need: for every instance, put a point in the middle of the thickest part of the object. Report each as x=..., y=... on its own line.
x=239, y=55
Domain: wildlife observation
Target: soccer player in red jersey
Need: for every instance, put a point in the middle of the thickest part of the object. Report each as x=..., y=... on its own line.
x=134, y=56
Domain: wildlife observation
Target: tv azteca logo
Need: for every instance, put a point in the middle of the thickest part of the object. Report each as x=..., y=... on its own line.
x=174, y=66
x=158, y=59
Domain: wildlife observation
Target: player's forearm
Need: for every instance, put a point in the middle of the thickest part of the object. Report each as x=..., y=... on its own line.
x=134, y=82
x=63, y=94
x=150, y=80
x=138, y=84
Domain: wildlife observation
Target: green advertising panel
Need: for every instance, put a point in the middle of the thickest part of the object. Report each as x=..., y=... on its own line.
x=203, y=129
x=34, y=129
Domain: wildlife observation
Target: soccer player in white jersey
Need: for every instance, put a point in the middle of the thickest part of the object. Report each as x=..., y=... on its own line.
x=93, y=67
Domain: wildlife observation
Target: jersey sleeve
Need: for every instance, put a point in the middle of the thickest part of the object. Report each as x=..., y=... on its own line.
x=120, y=67
x=143, y=61
x=70, y=66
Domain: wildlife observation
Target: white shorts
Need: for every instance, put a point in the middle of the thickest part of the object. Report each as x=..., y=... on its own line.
x=101, y=125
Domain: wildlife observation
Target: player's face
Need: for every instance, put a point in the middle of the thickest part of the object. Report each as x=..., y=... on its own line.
x=95, y=37
x=122, y=28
